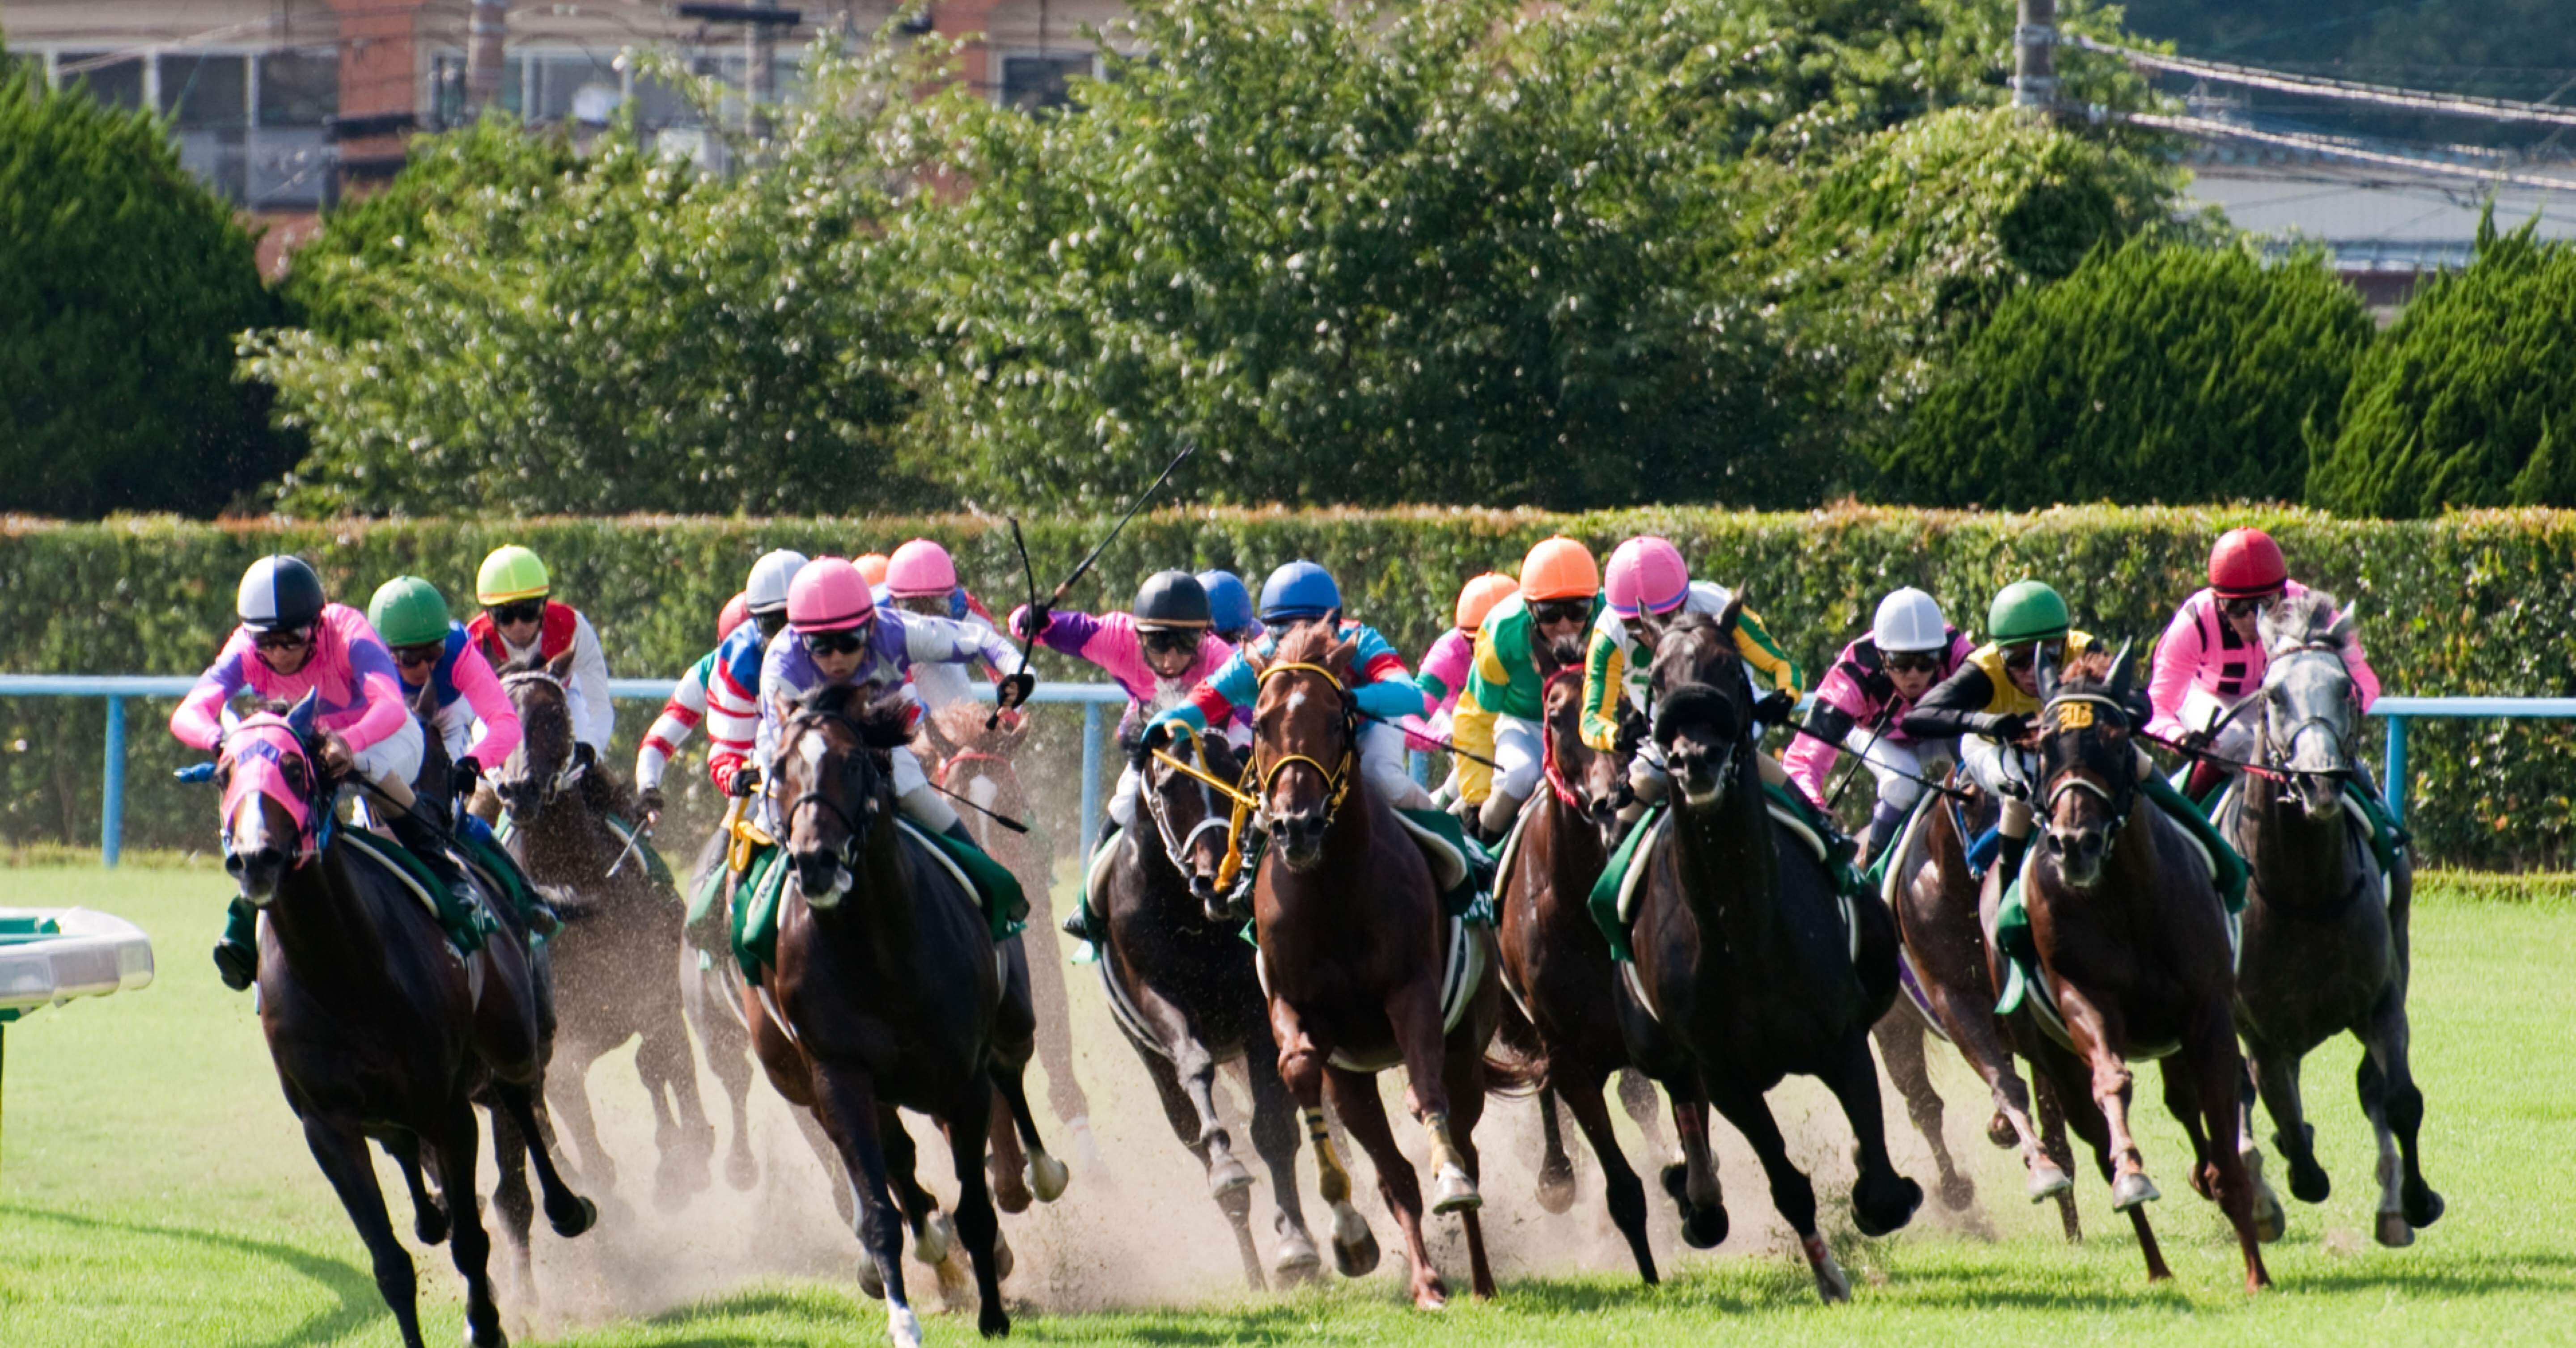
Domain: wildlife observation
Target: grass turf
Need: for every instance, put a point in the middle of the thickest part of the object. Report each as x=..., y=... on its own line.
x=153, y=1189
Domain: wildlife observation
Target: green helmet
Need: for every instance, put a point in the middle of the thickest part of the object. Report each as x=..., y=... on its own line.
x=408, y=611
x=511, y=572
x=2026, y=610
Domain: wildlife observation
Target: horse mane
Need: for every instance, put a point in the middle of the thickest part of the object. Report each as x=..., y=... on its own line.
x=883, y=723
x=2299, y=620
x=1706, y=633
x=1312, y=644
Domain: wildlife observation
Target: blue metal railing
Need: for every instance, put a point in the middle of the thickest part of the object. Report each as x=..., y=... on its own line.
x=2401, y=710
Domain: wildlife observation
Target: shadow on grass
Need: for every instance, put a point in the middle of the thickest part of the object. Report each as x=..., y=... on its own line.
x=359, y=1302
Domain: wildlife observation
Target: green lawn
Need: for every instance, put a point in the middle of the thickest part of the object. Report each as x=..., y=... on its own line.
x=154, y=1189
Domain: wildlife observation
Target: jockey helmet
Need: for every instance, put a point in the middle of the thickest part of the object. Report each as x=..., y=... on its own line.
x=766, y=590
x=735, y=613
x=511, y=572
x=279, y=593
x=2026, y=611
x=1647, y=574
x=408, y=611
x=1479, y=598
x=1171, y=599
x=829, y=595
x=873, y=566
x=919, y=569
x=2246, y=564
x=1301, y=589
x=1559, y=568
x=1229, y=603
x=1909, y=620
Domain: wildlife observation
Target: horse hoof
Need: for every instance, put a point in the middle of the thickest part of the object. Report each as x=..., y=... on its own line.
x=1831, y=1285
x=1046, y=1176
x=1957, y=1192
x=2308, y=1183
x=2423, y=1208
x=1452, y=1191
x=2000, y=1131
x=1889, y=1210
x=871, y=1282
x=1297, y=1261
x=486, y=1336
x=1676, y=1177
x=937, y=1236
x=1003, y=1260
x=2271, y=1222
x=571, y=1219
x=1704, y=1228
x=2047, y=1181
x=430, y=1226
x=1355, y=1250
x=2394, y=1232
x=994, y=1322
x=1556, y=1188
x=2131, y=1189
x=903, y=1327
x=741, y=1171
x=1228, y=1181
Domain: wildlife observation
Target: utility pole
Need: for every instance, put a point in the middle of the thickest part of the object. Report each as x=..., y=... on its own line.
x=2035, y=57
x=760, y=20
x=485, y=24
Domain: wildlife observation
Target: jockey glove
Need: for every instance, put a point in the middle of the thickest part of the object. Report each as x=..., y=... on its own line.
x=2008, y=728
x=745, y=783
x=1774, y=708
x=1033, y=622
x=584, y=756
x=462, y=777
x=650, y=801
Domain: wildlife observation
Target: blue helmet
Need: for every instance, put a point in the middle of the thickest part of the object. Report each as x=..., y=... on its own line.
x=1301, y=589
x=1229, y=604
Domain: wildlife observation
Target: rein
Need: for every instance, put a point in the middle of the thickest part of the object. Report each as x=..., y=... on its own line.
x=2080, y=712
x=853, y=834
x=571, y=772
x=1337, y=780
x=1176, y=849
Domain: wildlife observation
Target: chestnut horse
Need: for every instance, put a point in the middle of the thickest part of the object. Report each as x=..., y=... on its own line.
x=1749, y=966
x=378, y=1027
x=2134, y=949
x=1354, y=953
x=2325, y=931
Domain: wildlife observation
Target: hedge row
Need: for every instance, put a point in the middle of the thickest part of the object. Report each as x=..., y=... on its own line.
x=2470, y=603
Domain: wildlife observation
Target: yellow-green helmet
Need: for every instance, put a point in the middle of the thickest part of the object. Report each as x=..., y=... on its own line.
x=2025, y=611
x=511, y=572
x=408, y=611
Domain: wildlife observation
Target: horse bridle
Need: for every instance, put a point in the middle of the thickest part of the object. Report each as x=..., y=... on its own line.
x=1175, y=850
x=1337, y=781
x=851, y=833
x=571, y=772
x=2275, y=751
x=2080, y=712
x=1555, y=771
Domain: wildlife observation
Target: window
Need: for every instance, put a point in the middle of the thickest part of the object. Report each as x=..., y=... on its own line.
x=205, y=93
x=114, y=82
x=1033, y=82
x=297, y=88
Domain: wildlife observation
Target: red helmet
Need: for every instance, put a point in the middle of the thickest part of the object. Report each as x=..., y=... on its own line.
x=2246, y=563
x=737, y=611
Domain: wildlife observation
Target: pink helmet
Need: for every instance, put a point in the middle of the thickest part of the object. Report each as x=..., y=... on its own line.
x=1647, y=573
x=829, y=595
x=920, y=568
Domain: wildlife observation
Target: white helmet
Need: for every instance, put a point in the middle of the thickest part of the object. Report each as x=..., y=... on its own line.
x=1909, y=620
x=766, y=591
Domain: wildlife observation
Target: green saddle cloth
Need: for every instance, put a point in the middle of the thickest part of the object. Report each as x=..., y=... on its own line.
x=1828, y=847
x=1604, y=900
x=468, y=924
x=758, y=900
x=1462, y=869
x=500, y=872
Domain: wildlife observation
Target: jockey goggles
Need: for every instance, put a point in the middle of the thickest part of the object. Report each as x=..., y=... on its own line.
x=2023, y=657
x=518, y=611
x=1557, y=612
x=1912, y=662
x=2249, y=605
x=1169, y=640
x=283, y=639
x=419, y=653
x=841, y=642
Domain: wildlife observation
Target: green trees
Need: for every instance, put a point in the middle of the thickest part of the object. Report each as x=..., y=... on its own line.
x=2157, y=372
x=2469, y=399
x=122, y=284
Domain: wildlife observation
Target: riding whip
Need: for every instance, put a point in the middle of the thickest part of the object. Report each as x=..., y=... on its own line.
x=996, y=816
x=1447, y=746
x=1039, y=608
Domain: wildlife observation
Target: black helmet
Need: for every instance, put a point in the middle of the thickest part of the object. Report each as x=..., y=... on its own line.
x=1171, y=599
x=278, y=594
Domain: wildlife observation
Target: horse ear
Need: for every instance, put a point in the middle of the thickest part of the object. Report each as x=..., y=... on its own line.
x=299, y=718
x=1731, y=614
x=1342, y=656
x=560, y=668
x=2121, y=672
x=2346, y=623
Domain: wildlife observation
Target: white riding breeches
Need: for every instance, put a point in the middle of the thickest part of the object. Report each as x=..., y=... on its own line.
x=2235, y=740
x=1520, y=751
x=1382, y=767
x=1900, y=766
x=913, y=795
x=396, y=756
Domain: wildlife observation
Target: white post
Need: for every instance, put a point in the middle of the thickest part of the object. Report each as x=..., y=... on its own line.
x=2035, y=57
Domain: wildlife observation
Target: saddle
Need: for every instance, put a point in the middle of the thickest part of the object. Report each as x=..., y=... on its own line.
x=757, y=895
x=467, y=924
x=1613, y=901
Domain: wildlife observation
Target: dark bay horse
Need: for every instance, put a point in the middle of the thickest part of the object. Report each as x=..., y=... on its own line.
x=2325, y=931
x=620, y=938
x=1183, y=990
x=2134, y=948
x=1355, y=952
x=888, y=991
x=378, y=1028
x=1556, y=967
x=979, y=763
x=1749, y=966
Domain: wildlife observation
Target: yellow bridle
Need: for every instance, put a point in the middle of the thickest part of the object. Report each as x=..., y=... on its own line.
x=1337, y=780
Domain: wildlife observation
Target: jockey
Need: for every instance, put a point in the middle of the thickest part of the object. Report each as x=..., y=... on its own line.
x=723, y=687
x=474, y=717
x=922, y=578
x=836, y=634
x=1442, y=675
x=520, y=623
x=1861, y=706
x=290, y=643
x=1229, y=607
x=1648, y=585
x=1158, y=653
x=2211, y=660
x=1498, y=714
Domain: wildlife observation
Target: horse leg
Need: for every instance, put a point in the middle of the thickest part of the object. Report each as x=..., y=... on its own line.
x=2386, y=1083
x=518, y=1209
x=2054, y=1146
x=846, y=1104
x=728, y=1049
x=934, y=1234
x=2273, y=1074
x=681, y=1133
x=429, y=1216
x=1356, y=1101
x=1463, y=1075
x=567, y=1212
x=467, y=1244
x=2094, y=1032
x=1301, y=1070
x=1044, y=1174
x=1008, y=1178
x=1190, y=1109
x=1637, y=1096
x=1413, y=1011
x=1973, y=1032
x=341, y=1151
x=2066, y=1081
x=976, y=1224
x=1900, y=1046
x=1621, y=1190
x=568, y=1095
x=1791, y=1194
x=2216, y=1072
x=1274, y=1138
x=1882, y=1199
x=1692, y=1181
x=1555, y=1168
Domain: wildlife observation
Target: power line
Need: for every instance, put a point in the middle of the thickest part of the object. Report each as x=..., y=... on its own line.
x=2386, y=96
x=2332, y=149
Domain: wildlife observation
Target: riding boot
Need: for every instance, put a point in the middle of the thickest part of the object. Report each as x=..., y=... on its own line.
x=1080, y=924
x=2014, y=849
x=237, y=951
x=2206, y=778
x=1885, y=820
x=460, y=909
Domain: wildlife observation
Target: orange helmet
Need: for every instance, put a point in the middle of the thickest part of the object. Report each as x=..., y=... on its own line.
x=1559, y=568
x=873, y=566
x=1480, y=596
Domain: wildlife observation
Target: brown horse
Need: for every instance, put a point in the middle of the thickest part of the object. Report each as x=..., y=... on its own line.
x=621, y=933
x=888, y=990
x=1182, y=988
x=2325, y=931
x=979, y=764
x=378, y=1028
x=1354, y=949
x=1556, y=966
x=2134, y=949
x=1749, y=966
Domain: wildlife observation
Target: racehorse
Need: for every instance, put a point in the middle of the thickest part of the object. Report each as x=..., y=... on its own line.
x=1556, y=966
x=2325, y=931
x=378, y=1027
x=1749, y=966
x=887, y=990
x=1354, y=947
x=1944, y=948
x=2134, y=949
x=1182, y=988
x=621, y=931
x=978, y=764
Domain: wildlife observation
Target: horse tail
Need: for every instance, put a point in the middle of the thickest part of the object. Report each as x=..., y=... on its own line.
x=1515, y=1064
